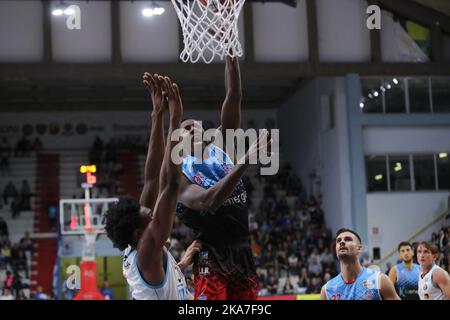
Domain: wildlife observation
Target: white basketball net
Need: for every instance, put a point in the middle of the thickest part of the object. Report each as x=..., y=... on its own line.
x=209, y=31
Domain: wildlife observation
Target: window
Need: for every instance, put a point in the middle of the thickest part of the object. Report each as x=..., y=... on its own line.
x=388, y=95
x=424, y=173
x=441, y=94
x=376, y=173
x=395, y=97
x=419, y=95
x=443, y=169
x=373, y=102
x=399, y=173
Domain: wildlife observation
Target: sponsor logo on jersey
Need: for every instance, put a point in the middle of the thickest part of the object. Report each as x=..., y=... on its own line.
x=368, y=284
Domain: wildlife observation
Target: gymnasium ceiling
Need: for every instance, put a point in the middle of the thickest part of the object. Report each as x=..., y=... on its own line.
x=49, y=86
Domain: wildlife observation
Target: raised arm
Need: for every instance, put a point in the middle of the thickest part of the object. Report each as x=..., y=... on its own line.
x=155, y=151
x=387, y=289
x=200, y=199
x=230, y=116
x=150, y=249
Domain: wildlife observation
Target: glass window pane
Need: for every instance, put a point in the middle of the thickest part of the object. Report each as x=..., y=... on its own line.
x=376, y=173
x=424, y=174
x=372, y=104
x=419, y=95
x=395, y=96
x=399, y=173
x=443, y=162
x=441, y=94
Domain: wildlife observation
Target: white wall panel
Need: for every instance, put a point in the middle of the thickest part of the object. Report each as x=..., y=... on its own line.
x=21, y=31
x=148, y=39
x=280, y=32
x=92, y=43
x=343, y=34
x=384, y=140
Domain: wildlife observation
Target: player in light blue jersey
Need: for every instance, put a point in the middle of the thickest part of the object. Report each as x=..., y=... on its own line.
x=356, y=282
x=405, y=275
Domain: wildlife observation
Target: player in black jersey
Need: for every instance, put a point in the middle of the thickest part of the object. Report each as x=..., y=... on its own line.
x=213, y=202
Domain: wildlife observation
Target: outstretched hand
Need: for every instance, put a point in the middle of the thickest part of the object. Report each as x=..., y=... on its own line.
x=155, y=88
x=262, y=143
x=192, y=250
x=173, y=97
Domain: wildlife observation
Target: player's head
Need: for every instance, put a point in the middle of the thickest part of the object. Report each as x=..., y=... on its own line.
x=124, y=223
x=426, y=254
x=406, y=251
x=195, y=129
x=348, y=244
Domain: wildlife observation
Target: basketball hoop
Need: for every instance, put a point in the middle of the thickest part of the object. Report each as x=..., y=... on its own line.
x=210, y=29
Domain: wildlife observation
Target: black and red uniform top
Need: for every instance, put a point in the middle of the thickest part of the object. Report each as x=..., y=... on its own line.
x=224, y=233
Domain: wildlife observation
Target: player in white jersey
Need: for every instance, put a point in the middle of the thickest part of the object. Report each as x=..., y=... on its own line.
x=434, y=282
x=142, y=228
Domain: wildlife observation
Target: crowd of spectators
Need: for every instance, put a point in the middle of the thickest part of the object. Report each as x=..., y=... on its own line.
x=292, y=247
x=18, y=201
x=106, y=158
x=14, y=268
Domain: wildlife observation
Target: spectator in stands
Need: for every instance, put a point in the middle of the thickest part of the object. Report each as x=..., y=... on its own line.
x=21, y=262
x=6, y=294
x=388, y=268
x=69, y=294
x=16, y=207
x=443, y=240
x=3, y=227
x=303, y=281
x=21, y=295
x=326, y=278
x=4, y=165
x=106, y=291
x=36, y=146
x=314, y=286
x=5, y=147
x=40, y=295
x=26, y=194
x=95, y=155
x=26, y=243
x=272, y=285
x=288, y=288
x=17, y=285
x=52, y=212
x=314, y=267
x=23, y=147
x=5, y=255
x=9, y=191
x=9, y=280
x=2, y=275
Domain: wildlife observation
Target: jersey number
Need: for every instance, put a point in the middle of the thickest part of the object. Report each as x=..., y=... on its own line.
x=336, y=296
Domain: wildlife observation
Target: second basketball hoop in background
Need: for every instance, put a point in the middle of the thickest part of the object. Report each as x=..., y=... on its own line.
x=210, y=29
